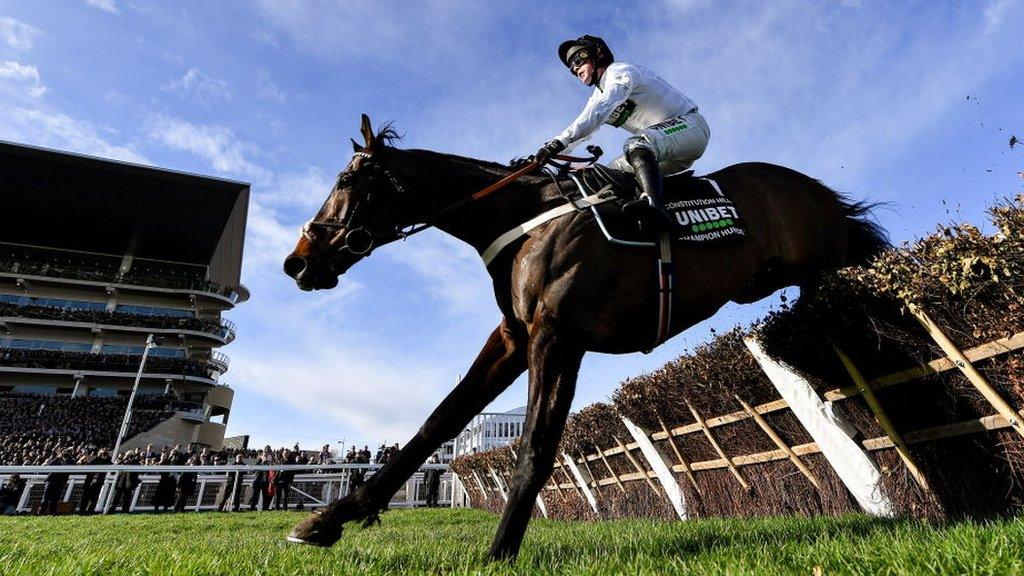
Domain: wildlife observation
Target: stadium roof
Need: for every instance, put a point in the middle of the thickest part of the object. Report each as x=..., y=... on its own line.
x=75, y=202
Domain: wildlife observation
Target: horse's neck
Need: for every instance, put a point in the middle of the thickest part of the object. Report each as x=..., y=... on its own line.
x=447, y=180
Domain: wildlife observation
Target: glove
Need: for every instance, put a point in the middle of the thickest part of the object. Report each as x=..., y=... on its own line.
x=517, y=163
x=548, y=150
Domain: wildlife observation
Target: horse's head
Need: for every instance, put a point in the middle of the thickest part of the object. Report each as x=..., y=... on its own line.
x=360, y=214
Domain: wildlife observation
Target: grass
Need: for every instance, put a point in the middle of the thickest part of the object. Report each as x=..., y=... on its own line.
x=454, y=541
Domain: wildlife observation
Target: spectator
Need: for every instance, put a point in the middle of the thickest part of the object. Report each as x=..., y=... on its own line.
x=186, y=485
x=432, y=482
x=93, y=483
x=163, y=496
x=56, y=482
x=233, y=487
x=126, y=483
x=260, y=487
x=283, y=481
x=325, y=455
x=10, y=494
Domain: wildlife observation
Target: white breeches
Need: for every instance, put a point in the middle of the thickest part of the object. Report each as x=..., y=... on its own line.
x=676, y=143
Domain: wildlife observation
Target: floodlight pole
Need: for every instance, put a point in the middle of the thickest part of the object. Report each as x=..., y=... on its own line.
x=150, y=343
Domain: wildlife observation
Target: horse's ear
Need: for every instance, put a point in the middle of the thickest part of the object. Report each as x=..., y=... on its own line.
x=355, y=146
x=367, y=131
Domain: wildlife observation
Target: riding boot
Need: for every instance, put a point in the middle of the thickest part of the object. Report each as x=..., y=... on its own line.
x=648, y=177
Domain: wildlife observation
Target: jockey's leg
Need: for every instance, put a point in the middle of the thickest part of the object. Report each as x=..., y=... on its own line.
x=500, y=362
x=648, y=176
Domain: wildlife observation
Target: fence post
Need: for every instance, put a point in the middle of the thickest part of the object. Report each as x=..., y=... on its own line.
x=615, y=476
x=632, y=460
x=778, y=442
x=590, y=474
x=679, y=455
x=718, y=447
x=883, y=419
x=964, y=364
x=582, y=480
x=660, y=464
x=855, y=468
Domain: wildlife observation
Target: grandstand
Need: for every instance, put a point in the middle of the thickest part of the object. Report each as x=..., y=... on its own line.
x=96, y=255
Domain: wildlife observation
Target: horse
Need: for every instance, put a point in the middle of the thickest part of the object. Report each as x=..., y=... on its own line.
x=562, y=289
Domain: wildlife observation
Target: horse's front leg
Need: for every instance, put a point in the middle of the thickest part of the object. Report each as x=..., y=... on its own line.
x=501, y=361
x=554, y=365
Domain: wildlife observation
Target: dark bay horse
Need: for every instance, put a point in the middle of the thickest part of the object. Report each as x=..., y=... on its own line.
x=562, y=289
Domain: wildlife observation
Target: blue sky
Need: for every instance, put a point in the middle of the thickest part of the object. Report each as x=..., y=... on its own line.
x=911, y=103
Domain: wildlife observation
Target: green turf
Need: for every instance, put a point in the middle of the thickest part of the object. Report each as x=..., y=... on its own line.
x=454, y=541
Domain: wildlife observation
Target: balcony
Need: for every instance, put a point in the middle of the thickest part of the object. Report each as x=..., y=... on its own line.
x=101, y=269
x=223, y=330
x=125, y=363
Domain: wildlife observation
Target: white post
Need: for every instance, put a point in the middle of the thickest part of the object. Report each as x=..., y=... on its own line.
x=135, y=497
x=480, y=484
x=852, y=464
x=23, y=501
x=660, y=463
x=199, y=493
x=128, y=412
x=541, y=505
x=583, y=479
x=497, y=482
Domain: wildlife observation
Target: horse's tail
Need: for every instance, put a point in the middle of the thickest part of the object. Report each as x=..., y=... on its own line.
x=865, y=238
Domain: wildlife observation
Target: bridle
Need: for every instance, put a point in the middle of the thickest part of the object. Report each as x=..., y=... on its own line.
x=360, y=240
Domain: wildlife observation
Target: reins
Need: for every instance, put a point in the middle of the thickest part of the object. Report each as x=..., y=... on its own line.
x=370, y=238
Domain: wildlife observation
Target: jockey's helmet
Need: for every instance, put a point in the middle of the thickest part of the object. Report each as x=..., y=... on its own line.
x=597, y=51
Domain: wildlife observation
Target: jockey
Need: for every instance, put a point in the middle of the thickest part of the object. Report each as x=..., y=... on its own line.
x=669, y=134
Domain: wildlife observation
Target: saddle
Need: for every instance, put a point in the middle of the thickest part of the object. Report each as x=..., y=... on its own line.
x=703, y=210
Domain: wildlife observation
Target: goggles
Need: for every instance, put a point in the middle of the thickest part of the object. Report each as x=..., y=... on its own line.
x=578, y=59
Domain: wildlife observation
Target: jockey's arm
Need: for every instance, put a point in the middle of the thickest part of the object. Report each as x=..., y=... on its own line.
x=618, y=85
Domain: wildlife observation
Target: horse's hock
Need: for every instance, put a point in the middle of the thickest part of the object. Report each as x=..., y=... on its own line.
x=892, y=392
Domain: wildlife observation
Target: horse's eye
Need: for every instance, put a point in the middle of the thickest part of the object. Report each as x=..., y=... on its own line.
x=345, y=181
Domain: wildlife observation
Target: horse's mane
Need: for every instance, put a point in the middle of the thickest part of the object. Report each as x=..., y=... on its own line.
x=388, y=136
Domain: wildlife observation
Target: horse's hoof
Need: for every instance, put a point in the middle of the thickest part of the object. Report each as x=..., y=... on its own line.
x=315, y=531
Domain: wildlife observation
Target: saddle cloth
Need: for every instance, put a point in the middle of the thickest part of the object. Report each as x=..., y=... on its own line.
x=704, y=212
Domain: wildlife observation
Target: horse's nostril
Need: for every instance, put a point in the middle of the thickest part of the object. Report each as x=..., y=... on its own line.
x=294, y=265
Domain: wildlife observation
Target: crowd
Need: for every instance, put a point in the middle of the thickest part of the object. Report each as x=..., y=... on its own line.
x=66, y=359
x=38, y=427
x=173, y=490
x=59, y=430
x=71, y=314
x=43, y=262
x=383, y=455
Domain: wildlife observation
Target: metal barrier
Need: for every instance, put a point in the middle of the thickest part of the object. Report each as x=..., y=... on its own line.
x=313, y=486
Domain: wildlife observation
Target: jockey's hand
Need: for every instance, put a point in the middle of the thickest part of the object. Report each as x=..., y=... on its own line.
x=548, y=150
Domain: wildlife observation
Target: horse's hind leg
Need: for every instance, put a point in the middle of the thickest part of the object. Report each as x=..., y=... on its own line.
x=501, y=361
x=554, y=366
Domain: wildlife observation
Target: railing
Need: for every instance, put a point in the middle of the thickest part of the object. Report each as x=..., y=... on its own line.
x=220, y=361
x=68, y=360
x=227, y=329
x=313, y=489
